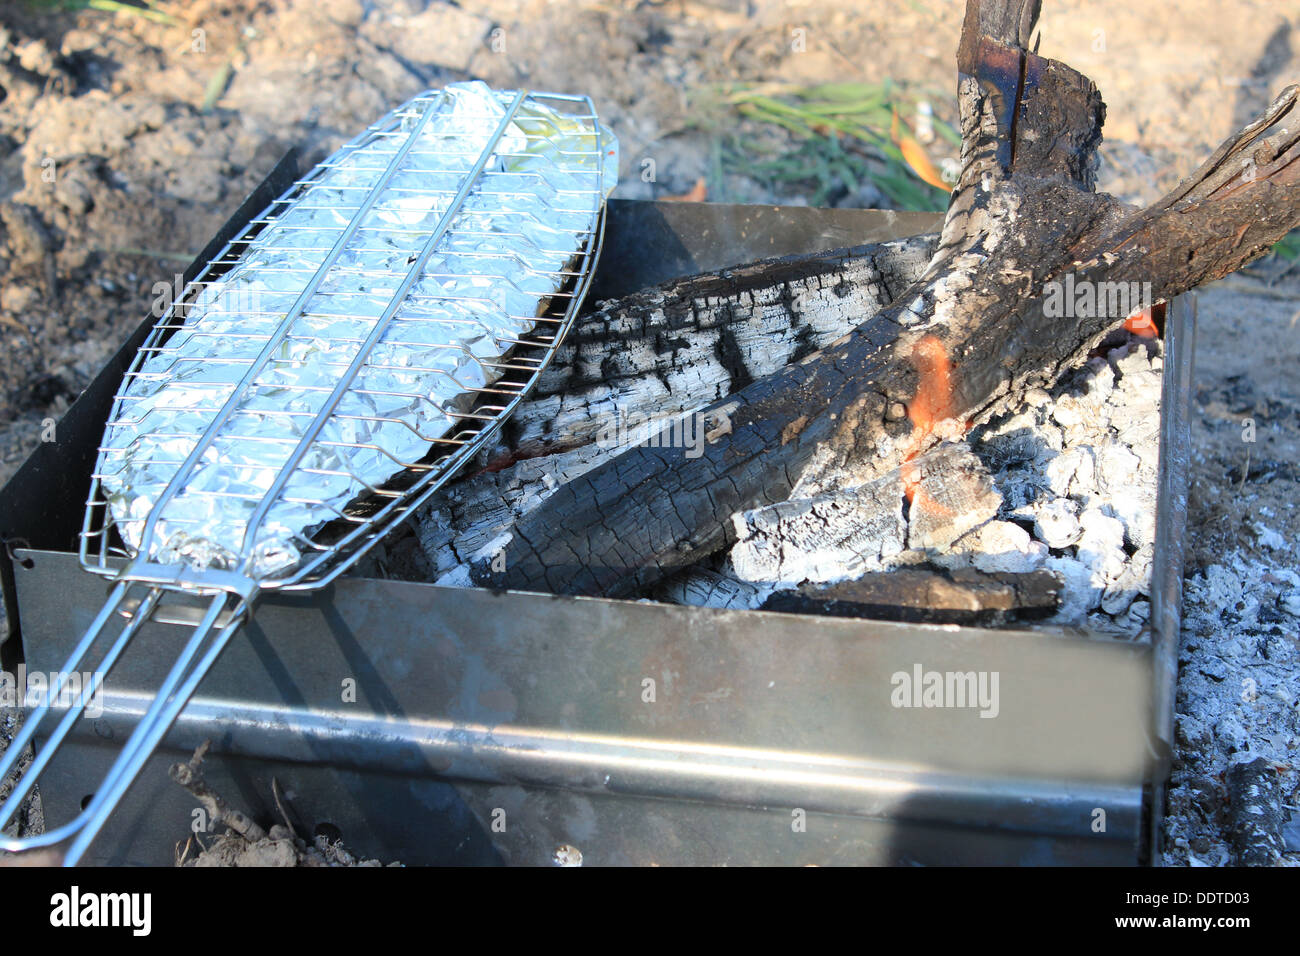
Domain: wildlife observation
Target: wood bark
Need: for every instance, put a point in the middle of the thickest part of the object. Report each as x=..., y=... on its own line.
x=953, y=348
x=650, y=358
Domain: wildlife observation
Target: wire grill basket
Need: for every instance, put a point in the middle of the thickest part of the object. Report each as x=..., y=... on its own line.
x=329, y=370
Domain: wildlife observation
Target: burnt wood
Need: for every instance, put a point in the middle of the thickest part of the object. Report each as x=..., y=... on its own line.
x=671, y=351
x=929, y=596
x=954, y=348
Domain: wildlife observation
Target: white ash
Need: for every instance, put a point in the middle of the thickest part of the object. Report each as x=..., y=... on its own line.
x=705, y=588
x=1056, y=524
x=1065, y=482
x=1238, y=700
x=955, y=495
x=1077, y=469
x=822, y=538
x=997, y=546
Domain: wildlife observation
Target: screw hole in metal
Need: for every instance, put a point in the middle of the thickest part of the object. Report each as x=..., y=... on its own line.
x=11, y=544
x=328, y=831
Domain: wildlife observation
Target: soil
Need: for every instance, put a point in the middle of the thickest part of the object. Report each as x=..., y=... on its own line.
x=125, y=144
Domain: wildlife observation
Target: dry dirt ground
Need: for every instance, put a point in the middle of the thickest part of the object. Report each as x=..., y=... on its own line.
x=125, y=143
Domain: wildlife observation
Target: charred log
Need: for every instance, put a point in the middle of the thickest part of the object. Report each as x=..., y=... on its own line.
x=638, y=364
x=927, y=596
x=980, y=327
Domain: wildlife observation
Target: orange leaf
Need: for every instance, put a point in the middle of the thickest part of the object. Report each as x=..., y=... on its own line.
x=916, y=156
x=699, y=192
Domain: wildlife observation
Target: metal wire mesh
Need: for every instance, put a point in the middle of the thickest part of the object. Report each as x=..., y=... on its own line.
x=409, y=291
x=368, y=368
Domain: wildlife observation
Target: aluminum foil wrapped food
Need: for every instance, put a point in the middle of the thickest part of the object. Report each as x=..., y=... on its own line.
x=500, y=260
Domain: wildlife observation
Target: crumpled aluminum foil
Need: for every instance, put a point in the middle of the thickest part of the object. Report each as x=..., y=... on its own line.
x=525, y=221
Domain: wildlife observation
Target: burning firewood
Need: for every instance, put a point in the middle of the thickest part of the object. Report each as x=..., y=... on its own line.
x=979, y=328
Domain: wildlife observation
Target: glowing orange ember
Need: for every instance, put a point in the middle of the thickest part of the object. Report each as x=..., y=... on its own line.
x=933, y=400
x=931, y=404
x=1141, y=323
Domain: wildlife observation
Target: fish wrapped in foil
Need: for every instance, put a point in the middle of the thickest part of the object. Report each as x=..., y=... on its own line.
x=528, y=216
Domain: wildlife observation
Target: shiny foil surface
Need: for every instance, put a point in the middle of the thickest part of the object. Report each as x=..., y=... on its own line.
x=511, y=246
